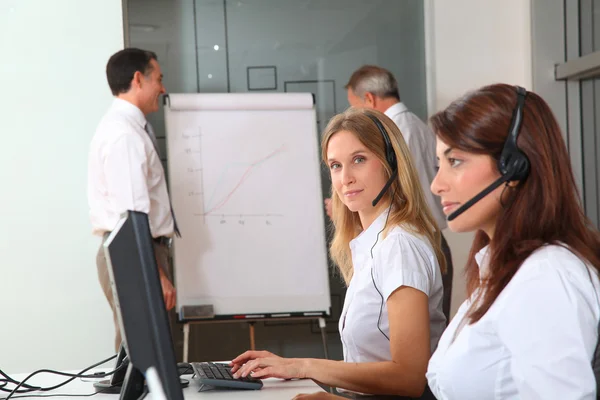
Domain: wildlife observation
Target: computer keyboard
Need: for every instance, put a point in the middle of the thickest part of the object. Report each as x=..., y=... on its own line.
x=216, y=375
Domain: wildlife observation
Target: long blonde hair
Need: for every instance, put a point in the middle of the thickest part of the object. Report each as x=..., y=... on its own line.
x=408, y=205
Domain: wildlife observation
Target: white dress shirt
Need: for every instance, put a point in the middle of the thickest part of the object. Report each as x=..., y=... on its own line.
x=125, y=172
x=535, y=342
x=421, y=143
x=401, y=259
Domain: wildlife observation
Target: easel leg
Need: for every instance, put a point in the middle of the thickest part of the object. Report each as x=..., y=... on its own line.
x=186, y=341
x=323, y=326
x=252, y=343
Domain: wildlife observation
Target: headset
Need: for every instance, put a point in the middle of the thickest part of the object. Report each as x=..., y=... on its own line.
x=513, y=164
x=390, y=157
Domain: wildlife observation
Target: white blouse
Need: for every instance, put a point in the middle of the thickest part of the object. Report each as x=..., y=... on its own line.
x=535, y=342
x=401, y=259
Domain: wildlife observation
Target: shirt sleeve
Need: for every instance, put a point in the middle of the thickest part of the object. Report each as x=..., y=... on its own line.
x=423, y=160
x=411, y=131
x=125, y=168
x=404, y=261
x=549, y=327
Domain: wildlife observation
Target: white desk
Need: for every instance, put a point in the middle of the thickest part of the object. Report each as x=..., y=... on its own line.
x=272, y=389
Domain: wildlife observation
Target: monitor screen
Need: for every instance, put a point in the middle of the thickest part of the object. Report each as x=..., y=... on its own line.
x=140, y=308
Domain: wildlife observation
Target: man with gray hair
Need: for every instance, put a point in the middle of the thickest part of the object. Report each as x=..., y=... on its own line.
x=376, y=88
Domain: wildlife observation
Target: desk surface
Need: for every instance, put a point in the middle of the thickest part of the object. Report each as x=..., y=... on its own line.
x=272, y=389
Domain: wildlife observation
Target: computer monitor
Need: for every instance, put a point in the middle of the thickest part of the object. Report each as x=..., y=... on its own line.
x=140, y=308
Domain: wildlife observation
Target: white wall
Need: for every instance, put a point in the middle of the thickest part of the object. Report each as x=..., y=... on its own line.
x=471, y=43
x=54, y=92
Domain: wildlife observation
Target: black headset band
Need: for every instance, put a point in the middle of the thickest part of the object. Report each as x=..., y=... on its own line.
x=517, y=117
x=513, y=163
x=389, y=150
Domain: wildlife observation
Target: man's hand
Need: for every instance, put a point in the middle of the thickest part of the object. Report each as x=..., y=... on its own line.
x=328, y=207
x=169, y=292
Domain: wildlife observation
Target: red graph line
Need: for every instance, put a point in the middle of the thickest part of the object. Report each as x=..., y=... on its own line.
x=243, y=178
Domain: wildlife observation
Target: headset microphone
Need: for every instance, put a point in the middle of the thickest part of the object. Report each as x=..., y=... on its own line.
x=478, y=197
x=385, y=187
x=513, y=164
x=390, y=158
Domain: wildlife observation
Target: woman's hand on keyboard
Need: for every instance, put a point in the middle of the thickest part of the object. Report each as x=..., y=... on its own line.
x=264, y=364
x=249, y=355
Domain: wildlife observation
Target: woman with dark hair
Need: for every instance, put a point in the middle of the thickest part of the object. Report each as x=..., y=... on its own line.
x=529, y=327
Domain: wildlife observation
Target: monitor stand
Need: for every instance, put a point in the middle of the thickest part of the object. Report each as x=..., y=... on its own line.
x=127, y=375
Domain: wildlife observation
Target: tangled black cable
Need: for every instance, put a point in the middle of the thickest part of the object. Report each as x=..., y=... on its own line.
x=29, y=388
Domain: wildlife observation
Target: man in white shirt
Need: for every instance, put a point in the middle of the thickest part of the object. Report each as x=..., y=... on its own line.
x=124, y=169
x=376, y=88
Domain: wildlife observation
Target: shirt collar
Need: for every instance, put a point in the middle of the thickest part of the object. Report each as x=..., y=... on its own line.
x=482, y=259
x=396, y=109
x=367, y=238
x=130, y=111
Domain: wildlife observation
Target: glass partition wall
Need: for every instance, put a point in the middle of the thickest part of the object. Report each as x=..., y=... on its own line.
x=216, y=46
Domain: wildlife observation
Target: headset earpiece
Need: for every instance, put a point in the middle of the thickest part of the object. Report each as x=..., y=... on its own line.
x=516, y=167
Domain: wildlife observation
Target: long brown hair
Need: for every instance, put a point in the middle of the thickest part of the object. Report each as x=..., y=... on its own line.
x=409, y=207
x=542, y=209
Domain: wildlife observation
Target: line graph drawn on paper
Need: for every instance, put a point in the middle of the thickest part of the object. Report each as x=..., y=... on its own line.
x=232, y=189
x=214, y=203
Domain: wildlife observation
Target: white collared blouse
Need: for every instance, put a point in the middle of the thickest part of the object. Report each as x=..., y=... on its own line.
x=535, y=342
x=400, y=259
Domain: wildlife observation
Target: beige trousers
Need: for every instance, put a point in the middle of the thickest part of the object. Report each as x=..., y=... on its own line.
x=162, y=257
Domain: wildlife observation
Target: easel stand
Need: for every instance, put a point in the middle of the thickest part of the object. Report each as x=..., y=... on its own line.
x=251, y=322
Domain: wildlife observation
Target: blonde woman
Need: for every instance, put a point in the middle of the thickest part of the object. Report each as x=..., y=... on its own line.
x=386, y=246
